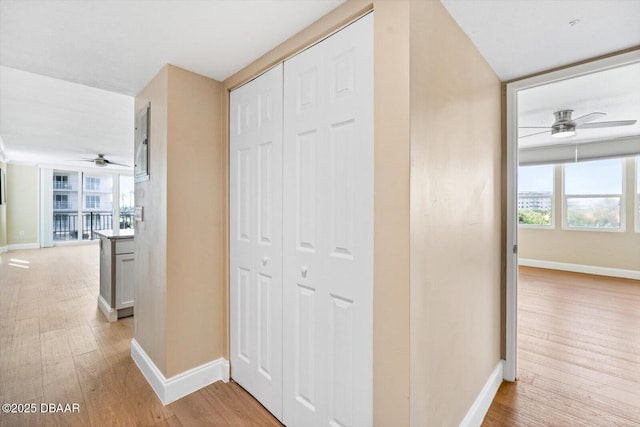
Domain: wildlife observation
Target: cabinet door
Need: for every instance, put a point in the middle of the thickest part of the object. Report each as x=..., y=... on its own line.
x=255, y=238
x=125, y=279
x=328, y=231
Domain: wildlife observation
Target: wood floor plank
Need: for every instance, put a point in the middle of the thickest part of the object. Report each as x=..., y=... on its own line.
x=102, y=393
x=22, y=364
x=578, y=353
x=60, y=380
x=172, y=421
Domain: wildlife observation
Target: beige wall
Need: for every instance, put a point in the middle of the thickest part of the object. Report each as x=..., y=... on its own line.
x=151, y=234
x=455, y=219
x=179, y=246
x=3, y=216
x=427, y=75
x=592, y=248
x=22, y=204
x=196, y=190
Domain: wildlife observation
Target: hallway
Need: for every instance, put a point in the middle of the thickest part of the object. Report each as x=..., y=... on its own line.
x=56, y=347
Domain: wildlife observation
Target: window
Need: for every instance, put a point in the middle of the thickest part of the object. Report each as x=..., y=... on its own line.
x=61, y=182
x=92, y=202
x=593, y=195
x=60, y=201
x=126, y=202
x=535, y=195
x=92, y=183
x=638, y=194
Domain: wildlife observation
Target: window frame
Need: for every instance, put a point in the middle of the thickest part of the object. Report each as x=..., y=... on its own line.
x=623, y=210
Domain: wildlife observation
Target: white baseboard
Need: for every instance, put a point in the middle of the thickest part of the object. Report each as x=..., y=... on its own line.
x=172, y=389
x=110, y=313
x=23, y=246
x=580, y=268
x=481, y=405
x=3, y=249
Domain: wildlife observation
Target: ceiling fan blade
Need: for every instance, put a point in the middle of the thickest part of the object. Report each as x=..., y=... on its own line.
x=531, y=134
x=534, y=127
x=118, y=164
x=587, y=118
x=608, y=124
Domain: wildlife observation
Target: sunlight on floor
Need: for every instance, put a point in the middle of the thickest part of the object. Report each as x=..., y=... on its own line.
x=19, y=263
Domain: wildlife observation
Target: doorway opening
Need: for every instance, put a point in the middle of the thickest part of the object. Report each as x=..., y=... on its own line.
x=573, y=146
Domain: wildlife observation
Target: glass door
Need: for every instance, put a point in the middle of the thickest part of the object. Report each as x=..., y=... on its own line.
x=126, y=202
x=97, y=204
x=65, y=205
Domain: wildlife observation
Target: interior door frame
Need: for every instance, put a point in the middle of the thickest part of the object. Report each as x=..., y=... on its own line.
x=512, y=89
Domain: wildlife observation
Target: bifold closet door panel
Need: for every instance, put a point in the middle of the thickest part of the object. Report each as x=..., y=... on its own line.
x=255, y=237
x=328, y=231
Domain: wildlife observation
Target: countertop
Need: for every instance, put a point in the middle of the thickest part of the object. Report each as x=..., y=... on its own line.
x=118, y=234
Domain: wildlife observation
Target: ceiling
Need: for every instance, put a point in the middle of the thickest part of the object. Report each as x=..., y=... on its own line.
x=521, y=37
x=69, y=69
x=614, y=91
x=97, y=55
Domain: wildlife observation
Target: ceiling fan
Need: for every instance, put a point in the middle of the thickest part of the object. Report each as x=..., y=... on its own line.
x=565, y=126
x=102, y=161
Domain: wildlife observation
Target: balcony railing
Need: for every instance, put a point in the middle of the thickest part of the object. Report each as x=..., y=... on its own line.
x=65, y=225
x=61, y=185
x=126, y=221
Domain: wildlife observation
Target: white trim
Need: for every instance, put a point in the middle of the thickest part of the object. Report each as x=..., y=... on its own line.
x=110, y=313
x=171, y=389
x=511, y=292
x=511, y=339
x=581, y=268
x=481, y=405
x=75, y=242
x=22, y=246
x=3, y=249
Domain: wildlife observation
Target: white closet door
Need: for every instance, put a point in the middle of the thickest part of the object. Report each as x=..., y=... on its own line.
x=256, y=238
x=328, y=232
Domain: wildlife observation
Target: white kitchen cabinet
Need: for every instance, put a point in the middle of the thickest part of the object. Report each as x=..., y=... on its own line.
x=124, y=280
x=117, y=280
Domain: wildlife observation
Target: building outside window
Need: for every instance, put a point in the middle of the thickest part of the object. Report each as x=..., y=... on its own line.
x=60, y=201
x=92, y=183
x=61, y=182
x=535, y=195
x=593, y=195
x=92, y=202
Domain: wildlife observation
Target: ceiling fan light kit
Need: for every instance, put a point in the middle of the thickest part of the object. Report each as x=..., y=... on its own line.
x=563, y=131
x=563, y=127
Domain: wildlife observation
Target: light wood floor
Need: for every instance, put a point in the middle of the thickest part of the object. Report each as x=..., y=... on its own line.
x=56, y=347
x=578, y=353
